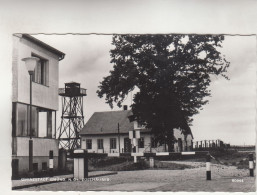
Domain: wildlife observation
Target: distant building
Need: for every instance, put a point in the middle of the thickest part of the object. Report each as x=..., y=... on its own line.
x=44, y=104
x=100, y=135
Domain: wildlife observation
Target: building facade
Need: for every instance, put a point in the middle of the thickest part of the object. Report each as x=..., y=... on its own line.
x=108, y=132
x=45, y=80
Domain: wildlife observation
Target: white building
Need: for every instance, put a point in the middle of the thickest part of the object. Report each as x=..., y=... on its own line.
x=44, y=104
x=101, y=135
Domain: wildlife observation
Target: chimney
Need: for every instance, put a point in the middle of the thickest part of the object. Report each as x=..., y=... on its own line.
x=125, y=107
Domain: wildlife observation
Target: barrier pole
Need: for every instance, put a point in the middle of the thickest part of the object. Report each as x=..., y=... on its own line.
x=251, y=164
x=134, y=151
x=51, y=162
x=151, y=162
x=135, y=159
x=208, y=167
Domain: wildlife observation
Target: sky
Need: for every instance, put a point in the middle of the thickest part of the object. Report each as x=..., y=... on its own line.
x=230, y=114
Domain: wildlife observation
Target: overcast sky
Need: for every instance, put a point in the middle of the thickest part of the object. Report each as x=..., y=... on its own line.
x=230, y=114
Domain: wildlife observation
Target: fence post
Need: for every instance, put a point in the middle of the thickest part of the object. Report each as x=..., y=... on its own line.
x=151, y=161
x=135, y=159
x=208, y=167
x=251, y=164
x=51, y=162
x=86, y=164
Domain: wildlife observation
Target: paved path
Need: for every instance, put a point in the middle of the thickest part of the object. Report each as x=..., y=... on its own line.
x=193, y=179
x=193, y=164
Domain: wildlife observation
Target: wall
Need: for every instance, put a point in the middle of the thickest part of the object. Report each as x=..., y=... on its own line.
x=43, y=96
x=41, y=146
x=147, y=143
x=106, y=143
x=179, y=134
x=24, y=163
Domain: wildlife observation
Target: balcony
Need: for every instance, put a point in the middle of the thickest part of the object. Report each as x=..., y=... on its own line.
x=69, y=92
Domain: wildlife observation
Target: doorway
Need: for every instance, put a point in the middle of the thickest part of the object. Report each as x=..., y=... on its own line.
x=15, y=168
x=127, y=145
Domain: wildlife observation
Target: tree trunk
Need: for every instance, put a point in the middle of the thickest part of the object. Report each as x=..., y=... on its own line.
x=170, y=139
x=165, y=148
x=185, y=138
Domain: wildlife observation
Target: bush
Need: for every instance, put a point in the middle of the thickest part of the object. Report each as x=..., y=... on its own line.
x=109, y=161
x=141, y=165
x=171, y=166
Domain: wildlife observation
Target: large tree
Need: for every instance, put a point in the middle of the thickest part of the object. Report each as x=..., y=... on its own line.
x=172, y=73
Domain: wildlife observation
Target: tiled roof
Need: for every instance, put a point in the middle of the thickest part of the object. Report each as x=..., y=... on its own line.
x=107, y=123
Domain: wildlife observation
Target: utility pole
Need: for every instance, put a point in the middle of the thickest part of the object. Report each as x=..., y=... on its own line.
x=119, y=135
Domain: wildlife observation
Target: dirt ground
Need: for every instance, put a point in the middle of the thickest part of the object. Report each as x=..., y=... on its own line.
x=224, y=179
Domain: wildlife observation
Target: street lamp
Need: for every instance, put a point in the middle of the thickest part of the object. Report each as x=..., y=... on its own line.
x=30, y=63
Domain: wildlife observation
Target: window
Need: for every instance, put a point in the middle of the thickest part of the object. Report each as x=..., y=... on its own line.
x=34, y=118
x=141, y=143
x=89, y=143
x=44, y=166
x=35, y=167
x=22, y=120
x=49, y=124
x=100, y=144
x=53, y=124
x=41, y=71
x=113, y=143
x=153, y=142
x=41, y=124
x=45, y=123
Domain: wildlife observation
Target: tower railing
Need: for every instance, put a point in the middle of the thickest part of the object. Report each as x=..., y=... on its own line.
x=63, y=92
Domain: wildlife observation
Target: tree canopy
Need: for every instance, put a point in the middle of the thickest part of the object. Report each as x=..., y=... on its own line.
x=172, y=73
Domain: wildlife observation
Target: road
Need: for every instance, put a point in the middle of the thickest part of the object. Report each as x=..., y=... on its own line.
x=224, y=179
